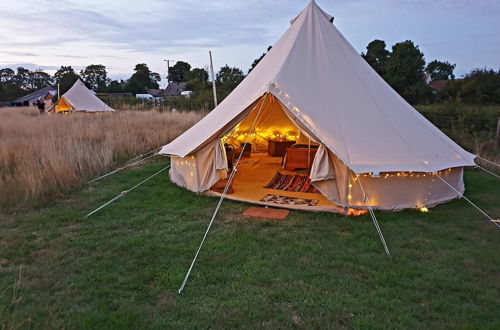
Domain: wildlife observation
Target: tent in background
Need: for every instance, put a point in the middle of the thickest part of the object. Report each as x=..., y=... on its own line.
x=80, y=98
x=313, y=88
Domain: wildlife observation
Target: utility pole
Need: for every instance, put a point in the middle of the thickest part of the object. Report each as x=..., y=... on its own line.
x=213, y=78
x=168, y=69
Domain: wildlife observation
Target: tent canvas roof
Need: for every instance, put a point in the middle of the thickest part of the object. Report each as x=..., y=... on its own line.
x=326, y=85
x=82, y=99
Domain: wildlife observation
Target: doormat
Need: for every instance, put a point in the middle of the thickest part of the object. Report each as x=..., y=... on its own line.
x=266, y=213
x=295, y=183
x=285, y=200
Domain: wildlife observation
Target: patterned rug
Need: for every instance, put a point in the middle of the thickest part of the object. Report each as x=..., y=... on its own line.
x=285, y=200
x=296, y=183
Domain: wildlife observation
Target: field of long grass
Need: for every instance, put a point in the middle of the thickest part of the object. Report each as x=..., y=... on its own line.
x=41, y=157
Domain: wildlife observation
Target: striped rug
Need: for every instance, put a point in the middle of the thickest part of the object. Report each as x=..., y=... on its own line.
x=296, y=183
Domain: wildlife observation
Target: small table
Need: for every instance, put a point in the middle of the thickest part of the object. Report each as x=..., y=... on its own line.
x=278, y=148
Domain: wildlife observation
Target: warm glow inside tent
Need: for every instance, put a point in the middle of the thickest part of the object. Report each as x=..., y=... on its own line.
x=80, y=98
x=62, y=106
x=323, y=132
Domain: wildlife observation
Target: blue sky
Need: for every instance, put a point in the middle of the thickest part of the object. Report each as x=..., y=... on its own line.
x=120, y=33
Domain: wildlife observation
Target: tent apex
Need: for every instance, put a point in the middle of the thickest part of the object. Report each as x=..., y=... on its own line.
x=313, y=6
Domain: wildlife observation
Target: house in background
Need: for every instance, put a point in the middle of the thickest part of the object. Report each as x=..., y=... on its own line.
x=47, y=93
x=173, y=89
x=436, y=85
x=155, y=92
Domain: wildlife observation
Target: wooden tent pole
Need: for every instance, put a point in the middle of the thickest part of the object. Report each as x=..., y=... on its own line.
x=213, y=79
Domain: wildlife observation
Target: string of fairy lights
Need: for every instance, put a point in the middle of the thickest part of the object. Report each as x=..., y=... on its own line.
x=386, y=175
x=237, y=134
x=264, y=134
x=409, y=174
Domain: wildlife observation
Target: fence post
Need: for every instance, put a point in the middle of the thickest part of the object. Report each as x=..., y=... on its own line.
x=498, y=133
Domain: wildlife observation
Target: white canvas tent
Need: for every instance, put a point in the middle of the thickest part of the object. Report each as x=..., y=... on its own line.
x=315, y=83
x=80, y=98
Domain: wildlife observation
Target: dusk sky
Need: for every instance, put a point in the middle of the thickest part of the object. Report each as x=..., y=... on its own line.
x=47, y=34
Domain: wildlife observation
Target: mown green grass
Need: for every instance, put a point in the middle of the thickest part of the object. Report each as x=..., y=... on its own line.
x=122, y=267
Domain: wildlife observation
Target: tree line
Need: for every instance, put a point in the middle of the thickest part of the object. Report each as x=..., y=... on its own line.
x=14, y=84
x=19, y=82
x=403, y=67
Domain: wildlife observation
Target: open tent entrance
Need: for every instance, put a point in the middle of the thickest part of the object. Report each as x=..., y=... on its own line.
x=275, y=166
x=63, y=106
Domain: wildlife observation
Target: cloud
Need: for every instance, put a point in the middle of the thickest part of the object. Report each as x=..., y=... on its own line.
x=30, y=66
x=212, y=24
x=17, y=53
x=123, y=33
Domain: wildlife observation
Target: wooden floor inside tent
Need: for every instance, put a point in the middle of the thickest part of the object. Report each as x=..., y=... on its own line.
x=256, y=171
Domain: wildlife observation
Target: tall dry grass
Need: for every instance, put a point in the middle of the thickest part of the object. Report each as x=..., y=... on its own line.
x=474, y=127
x=41, y=157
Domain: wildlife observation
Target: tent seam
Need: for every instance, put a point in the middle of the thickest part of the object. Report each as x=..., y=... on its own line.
x=349, y=164
x=380, y=109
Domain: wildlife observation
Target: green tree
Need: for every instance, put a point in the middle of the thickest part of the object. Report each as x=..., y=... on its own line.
x=39, y=79
x=376, y=55
x=230, y=77
x=115, y=86
x=179, y=71
x=6, y=75
x=480, y=86
x=9, y=87
x=155, y=78
x=197, y=73
x=66, y=77
x=257, y=60
x=95, y=77
x=22, y=78
x=142, y=79
x=227, y=79
x=134, y=86
x=404, y=71
x=197, y=81
x=441, y=70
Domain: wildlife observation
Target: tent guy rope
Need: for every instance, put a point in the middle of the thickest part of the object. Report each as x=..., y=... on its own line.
x=127, y=166
x=144, y=154
x=482, y=168
x=374, y=218
x=488, y=161
x=495, y=222
x=123, y=193
x=221, y=199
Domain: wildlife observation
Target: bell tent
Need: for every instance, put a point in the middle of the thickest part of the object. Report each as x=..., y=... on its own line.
x=80, y=98
x=313, y=126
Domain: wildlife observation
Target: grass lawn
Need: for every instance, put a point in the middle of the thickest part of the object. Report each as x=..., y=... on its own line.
x=121, y=268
